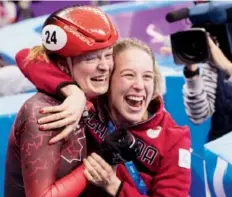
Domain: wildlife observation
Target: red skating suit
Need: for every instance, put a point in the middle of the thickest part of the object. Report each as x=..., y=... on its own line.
x=36, y=169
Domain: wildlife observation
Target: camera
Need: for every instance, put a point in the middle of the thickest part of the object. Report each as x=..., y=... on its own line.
x=191, y=46
x=119, y=146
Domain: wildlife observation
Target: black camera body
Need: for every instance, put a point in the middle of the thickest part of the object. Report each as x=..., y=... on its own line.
x=191, y=46
x=119, y=146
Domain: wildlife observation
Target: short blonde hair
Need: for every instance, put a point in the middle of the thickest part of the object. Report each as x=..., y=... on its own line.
x=128, y=43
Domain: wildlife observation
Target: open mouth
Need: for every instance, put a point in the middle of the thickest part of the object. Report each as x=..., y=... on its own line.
x=99, y=79
x=135, y=101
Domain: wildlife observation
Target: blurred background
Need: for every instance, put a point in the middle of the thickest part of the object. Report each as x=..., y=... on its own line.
x=20, y=27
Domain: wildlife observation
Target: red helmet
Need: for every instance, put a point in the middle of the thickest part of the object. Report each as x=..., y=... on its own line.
x=79, y=29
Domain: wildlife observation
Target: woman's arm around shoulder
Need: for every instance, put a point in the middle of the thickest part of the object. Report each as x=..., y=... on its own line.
x=44, y=75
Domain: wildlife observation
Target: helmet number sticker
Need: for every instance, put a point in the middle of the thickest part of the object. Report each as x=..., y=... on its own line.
x=54, y=37
x=51, y=38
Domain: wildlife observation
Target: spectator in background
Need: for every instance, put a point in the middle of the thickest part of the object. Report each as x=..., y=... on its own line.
x=24, y=10
x=209, y=93
x=12, y=80
x=8, y=13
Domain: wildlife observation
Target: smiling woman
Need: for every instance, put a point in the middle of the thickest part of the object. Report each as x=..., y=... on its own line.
x=139, y=77
x=134, y=102
x=33, y=167
x=92, y=71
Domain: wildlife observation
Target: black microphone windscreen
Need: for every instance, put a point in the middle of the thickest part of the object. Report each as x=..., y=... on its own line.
x=177, y=15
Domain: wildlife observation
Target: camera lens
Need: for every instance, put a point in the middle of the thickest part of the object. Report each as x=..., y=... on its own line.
x=192, y=51
x=190, y=46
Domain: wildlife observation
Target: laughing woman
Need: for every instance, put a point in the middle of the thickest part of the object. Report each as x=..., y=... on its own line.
x=33, y=167
x=134, y=102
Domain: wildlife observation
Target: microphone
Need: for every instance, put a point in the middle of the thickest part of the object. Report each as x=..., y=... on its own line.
x=177, y=15
x=201, y=13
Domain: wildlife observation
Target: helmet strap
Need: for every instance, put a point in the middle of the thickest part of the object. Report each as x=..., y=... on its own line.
x=70, y=65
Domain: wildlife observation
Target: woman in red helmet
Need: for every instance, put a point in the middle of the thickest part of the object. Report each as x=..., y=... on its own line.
x=86, y=34
x=78, y=41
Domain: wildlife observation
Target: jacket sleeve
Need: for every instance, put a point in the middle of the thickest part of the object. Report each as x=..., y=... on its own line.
x=174, y=175
x=200, y=94
x=45, y=76
x=40, y=162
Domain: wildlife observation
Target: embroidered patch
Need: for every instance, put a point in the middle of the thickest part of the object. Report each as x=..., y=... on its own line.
x=154, y=133
x=184, y=158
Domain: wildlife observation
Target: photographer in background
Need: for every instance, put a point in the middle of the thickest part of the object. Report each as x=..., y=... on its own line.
x=209, y=92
